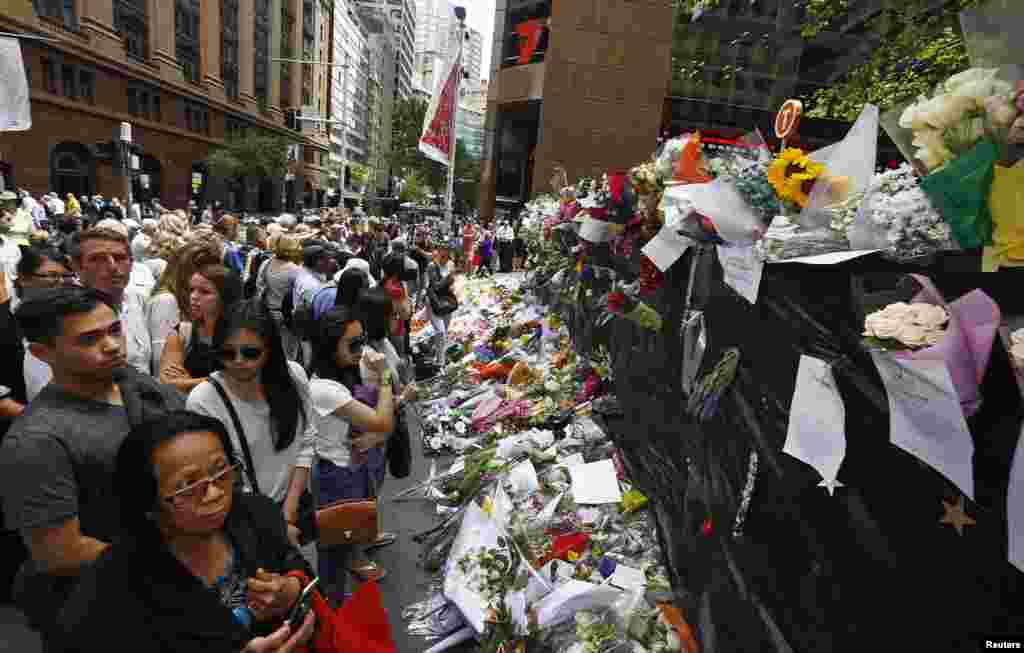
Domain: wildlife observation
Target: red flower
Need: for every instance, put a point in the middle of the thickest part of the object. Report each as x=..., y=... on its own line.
x=651, y=277
x=617, y=185
x=617, y=302
x=706, y=528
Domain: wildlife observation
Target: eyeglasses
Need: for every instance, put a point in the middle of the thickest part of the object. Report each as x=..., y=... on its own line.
x=195, y=492
x=248, y=352
x=355, y=345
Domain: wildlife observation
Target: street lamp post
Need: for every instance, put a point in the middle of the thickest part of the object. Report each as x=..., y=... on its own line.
x=124, y=158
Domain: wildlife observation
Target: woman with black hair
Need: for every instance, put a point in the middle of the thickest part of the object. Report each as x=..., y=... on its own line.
x=351, y=283
x=199, y=565
x=190, y=355
x=262, y=398
x=350, y=464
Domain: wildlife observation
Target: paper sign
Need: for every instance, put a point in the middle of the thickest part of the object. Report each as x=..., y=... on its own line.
x=925, y=417
x=595, y=483
x=742, y=269
x=1015, y=507
x=629, y=579
x=596, y=231
x=817, y=417
x=666, y=247
x=523, y=478
x=15, y=109
x=562, y=604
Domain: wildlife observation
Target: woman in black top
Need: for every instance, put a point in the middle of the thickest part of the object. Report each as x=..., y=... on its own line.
x=200, y=566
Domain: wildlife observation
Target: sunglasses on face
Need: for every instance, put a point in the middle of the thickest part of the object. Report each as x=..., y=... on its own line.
x=248, y=352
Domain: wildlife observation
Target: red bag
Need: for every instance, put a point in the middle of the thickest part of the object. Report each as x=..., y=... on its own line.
x=476, y=260
x=359, y=626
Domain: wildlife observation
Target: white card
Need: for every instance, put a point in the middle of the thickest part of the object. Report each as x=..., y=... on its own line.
x=817, y=417
x=666, y=247
x=595, y=483
x=629, y=579
x=742, y=268
x=477, y=531
x=1015, y=507
x=925, y=417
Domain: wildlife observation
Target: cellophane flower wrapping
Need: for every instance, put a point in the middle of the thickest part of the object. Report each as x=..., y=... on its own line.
x=897, y=216
x=960, y=191
x=849, y=168
x=973, y=323
x=735, y=219
x=1006, y=202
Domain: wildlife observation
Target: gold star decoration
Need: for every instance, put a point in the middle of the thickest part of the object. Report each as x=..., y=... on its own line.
x=955, y=515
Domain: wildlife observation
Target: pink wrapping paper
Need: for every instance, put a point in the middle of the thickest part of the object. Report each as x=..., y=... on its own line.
x=973, y=323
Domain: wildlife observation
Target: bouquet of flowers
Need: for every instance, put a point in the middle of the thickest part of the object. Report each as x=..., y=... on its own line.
x=902, y=326
x=621, y=301
x=897, y=216
x=960, y=334
x=961, y=137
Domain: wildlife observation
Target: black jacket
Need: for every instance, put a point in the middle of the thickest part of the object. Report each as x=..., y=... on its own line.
x=138, y=597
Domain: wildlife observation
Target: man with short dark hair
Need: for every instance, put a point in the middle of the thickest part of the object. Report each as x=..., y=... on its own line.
x=57, y=459
x=103, y=261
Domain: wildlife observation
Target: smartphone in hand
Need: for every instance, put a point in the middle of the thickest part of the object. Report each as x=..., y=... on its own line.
x=302, y=606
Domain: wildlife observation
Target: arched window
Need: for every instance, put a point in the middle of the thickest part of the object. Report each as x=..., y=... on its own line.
x=72, y=170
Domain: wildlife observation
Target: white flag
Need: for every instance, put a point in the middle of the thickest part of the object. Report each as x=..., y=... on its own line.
x=15, y=113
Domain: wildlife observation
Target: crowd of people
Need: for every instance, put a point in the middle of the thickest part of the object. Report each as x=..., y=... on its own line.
x=181, y=391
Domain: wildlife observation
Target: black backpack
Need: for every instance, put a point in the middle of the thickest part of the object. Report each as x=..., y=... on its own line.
x=252, y=283
x=288, y=305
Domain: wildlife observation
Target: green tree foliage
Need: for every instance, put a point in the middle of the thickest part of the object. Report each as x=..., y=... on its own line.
x=920, y=46
x=255, y=155
x=406, y=127
x=412, y=189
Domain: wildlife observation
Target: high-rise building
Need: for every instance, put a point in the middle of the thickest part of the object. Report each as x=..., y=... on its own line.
x=349, y=110
x=474, y=52
x=187, y=75
x=402, y=15
x=469, y=130
x=382, y=42
x=580, y=84
x=436, y=34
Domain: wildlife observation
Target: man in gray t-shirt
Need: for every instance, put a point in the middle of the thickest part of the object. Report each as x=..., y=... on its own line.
x=57, y=460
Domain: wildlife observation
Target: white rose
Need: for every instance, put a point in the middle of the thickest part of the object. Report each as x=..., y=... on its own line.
x=970, y=75
x=930, y=316
x=460, y=428
x=897, y=310
x=436, y=442
x=881, y=326
x=1017, y=351
x=947, y=111
x=912, y=335
x=1017, y=337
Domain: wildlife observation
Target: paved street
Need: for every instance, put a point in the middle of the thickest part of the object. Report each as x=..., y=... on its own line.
x=405, y=583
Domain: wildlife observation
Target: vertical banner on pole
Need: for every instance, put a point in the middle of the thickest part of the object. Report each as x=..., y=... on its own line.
x=15, y=111
x=438, y=138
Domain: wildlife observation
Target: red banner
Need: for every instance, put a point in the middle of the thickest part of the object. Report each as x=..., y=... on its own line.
x=439, y=123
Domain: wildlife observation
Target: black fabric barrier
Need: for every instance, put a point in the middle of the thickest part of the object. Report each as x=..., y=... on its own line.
x=868, y=569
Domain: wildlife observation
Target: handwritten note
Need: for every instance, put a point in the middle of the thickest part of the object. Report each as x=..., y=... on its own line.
x=666, y=247
x=925, y=417
x=742, y=269
x=817, y=417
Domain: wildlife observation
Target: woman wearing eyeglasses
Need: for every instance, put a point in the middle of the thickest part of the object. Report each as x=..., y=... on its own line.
x=262, y=399
x=200, y=565
x=349, y=466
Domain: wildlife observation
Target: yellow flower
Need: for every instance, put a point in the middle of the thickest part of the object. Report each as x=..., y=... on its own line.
x=573, y=556
x=795, y=189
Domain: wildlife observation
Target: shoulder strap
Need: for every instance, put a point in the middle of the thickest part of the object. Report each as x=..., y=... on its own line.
x=250, y=467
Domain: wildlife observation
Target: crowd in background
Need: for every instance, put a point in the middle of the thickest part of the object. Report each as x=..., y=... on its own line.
x=181, y=389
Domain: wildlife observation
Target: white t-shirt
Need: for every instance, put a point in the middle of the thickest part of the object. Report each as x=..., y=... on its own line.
x=134, y=321
x=273, y=468
x=163, y=317
x=333, y=433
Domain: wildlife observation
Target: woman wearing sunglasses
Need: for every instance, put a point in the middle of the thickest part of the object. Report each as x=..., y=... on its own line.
x=349, y=466
x=200, y=565
x=262, y=399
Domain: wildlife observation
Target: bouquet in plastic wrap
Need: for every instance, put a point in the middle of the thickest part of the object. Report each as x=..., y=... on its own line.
x=622, y=301
x=896, y=216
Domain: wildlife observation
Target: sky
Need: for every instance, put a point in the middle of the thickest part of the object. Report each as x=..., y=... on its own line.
x=480, y=16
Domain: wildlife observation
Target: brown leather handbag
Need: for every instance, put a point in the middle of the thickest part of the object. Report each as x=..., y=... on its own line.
x=348, y=521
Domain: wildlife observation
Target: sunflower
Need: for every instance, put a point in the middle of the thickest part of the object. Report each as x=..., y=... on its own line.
x=790, y=161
